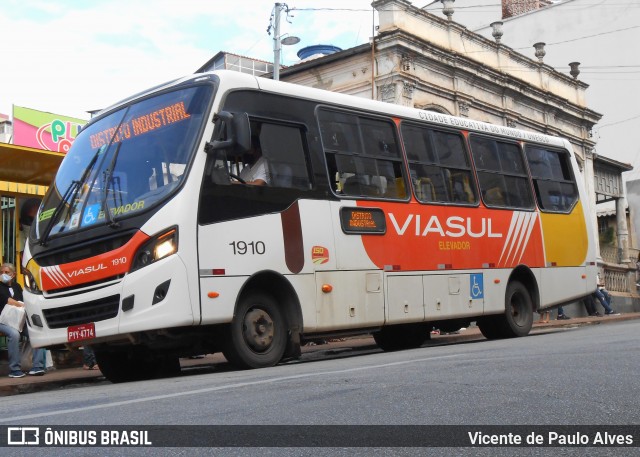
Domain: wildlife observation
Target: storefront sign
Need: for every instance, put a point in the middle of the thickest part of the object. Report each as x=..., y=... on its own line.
x=42, y=130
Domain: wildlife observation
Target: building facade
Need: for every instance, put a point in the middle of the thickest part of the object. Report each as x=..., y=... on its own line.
x=591, y=40
x=5, y=129
x=235, y=62
x=427, y=60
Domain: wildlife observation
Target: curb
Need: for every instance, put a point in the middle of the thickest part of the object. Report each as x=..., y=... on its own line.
x=43, y=385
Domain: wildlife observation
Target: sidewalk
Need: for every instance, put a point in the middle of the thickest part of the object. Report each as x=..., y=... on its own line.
x=60, y=378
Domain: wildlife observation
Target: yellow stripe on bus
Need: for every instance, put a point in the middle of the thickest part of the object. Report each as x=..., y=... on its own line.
x=565, y=237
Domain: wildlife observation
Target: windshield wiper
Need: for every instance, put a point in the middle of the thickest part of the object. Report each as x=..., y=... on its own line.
x=69, y=196
x=108, y=175
x=73, y=187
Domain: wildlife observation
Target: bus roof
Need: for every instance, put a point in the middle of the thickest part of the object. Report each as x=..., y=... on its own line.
x=391, y=109
x=236, y=80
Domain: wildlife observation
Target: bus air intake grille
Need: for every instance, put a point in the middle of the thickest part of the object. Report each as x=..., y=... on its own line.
x=85, y=286
x=82, y=250
x=93, y=311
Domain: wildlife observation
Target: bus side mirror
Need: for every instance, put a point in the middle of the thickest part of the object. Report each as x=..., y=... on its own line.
x=237, y=129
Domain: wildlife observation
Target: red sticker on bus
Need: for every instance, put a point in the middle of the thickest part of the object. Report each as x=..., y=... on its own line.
x=319, y=255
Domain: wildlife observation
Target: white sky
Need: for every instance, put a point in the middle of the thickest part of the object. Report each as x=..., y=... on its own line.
x=70, y=56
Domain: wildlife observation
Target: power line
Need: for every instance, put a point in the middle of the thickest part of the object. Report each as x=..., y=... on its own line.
x=618, y=122
x=609, y=66
x=474, y=7
x=330, y=9
x=590, y=36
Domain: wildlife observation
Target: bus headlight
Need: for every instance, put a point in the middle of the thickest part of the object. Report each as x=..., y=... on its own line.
x=158, y=247
x=30, y=283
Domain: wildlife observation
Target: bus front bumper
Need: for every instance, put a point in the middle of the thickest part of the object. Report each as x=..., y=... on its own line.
x=153, y=298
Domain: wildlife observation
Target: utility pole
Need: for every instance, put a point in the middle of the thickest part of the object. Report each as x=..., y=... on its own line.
x=277, y=45
x=278, y=41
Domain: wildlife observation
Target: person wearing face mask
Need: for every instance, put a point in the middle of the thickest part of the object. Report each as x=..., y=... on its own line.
x=11, y=295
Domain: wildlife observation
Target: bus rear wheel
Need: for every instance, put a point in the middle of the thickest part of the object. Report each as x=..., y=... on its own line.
x=519, y=312
x=517, y=319
x=257, y=335
x=403, y=336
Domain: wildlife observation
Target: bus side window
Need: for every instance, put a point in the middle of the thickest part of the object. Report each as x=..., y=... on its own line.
x=362, y=154
x=353, y=179
x=283, y=147
x=439, y=164
x=501, y=173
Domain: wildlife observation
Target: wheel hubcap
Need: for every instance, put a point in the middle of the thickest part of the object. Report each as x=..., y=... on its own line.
x=258, y=329
x=517, y=305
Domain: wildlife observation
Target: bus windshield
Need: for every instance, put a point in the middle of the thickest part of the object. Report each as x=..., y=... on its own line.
x=124, y=163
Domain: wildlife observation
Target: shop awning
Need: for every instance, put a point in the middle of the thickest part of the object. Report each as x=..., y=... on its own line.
x=21, y=164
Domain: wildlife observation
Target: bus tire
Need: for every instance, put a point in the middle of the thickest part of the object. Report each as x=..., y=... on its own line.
x=257, y=334
x=519, y=311
x=403, y=336
x=517, y=319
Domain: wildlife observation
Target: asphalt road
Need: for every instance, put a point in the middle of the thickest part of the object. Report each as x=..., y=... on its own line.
x=582, y=376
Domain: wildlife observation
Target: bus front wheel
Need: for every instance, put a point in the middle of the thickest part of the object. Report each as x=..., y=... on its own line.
x=257, y=335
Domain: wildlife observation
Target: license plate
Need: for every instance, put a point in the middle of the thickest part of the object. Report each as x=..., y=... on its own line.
x=81, y=332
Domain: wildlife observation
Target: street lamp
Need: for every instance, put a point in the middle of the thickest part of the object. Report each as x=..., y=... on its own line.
x=288, y=41
x=279, y=40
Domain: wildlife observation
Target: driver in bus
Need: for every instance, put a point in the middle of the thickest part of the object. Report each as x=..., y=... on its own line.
x=256, y=169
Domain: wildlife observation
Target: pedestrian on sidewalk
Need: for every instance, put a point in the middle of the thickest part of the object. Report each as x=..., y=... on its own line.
x=11, y=295
x=561, y=315
x=590, y=306
x=603, y=295
x=544, y=317
x=89, y=358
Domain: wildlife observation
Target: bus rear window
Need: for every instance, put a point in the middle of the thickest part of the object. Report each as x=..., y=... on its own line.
x=553, y=180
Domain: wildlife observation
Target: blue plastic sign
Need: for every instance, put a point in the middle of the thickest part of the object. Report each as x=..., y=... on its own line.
x=476, y=286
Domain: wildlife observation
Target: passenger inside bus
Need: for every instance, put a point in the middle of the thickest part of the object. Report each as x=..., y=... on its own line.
x=256, y=169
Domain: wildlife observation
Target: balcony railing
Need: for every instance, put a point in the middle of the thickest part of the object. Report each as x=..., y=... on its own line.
x=609, y=254
x=617, y=279
x=620, y=277
x=612, y=255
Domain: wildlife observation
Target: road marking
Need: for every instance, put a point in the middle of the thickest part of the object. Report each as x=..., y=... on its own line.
x=14, y=419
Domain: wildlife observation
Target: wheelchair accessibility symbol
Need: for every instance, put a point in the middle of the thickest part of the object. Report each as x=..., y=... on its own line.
x=476, y=285
x=91, y=214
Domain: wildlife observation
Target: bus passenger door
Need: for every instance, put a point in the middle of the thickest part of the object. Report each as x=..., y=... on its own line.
x=356, y=299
